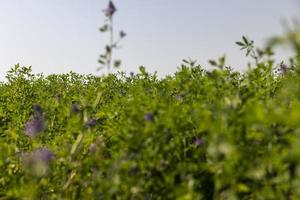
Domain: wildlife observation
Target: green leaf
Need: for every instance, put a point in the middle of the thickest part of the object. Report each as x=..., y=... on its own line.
x=240, y=43
x=117, y=63
x=104, y=28
x=213, y=62
x=222, y=61
x=248, y=52
x=101, y=62
x=245, y=40
x=185, y=61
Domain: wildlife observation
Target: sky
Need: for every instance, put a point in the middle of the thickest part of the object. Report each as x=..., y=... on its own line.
x=59, y=36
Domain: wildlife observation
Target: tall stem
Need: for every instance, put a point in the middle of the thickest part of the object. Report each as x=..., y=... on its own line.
x=111, y=43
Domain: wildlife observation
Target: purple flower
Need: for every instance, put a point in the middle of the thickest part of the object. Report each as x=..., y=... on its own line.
x=149, y=117
x=75, y=108
x=37, y=109
x=198, y=142
x=90, y=123
x=37, y=162
x=283, y=69
x=34, y=126
x=122, y=34
x=110, y=10
x=131, y=74
x=43, y=155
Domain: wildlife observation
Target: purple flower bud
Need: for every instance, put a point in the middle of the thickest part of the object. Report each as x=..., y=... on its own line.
x=37, y=161
x=34, y=126
x=122, y=34
x=37, y=109
x=283, y=69
x=110, y=10
x=75, y=108
x=131, y=74
x=90, y=123
x=149, y=117
x=198, y=142
x=43, y=155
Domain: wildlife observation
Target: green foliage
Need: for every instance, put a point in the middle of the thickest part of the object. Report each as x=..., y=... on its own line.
x=197, y=134
x=260, y=55
x=292, y=37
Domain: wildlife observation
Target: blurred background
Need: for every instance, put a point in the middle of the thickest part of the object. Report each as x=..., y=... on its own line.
x=58, y=36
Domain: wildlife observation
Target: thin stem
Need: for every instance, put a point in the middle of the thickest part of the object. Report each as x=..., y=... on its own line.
x=111, y=44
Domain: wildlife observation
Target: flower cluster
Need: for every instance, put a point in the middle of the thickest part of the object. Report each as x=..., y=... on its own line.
x=37, y=161
x=198, y=142
x=36, y=124
x=90, y=123
x=43, y=155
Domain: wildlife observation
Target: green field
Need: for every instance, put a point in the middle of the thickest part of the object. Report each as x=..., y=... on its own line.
x=198, y=134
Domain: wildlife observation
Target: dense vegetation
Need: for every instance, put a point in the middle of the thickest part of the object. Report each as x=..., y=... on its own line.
x=197, y=134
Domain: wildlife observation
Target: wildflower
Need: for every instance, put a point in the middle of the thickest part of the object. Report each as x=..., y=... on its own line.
x=198, y=142
x=37, y=162
x=122, y=34
x=90, y=123
x=149, y=117
x=75, y=108
x=131, y=74
x=37, y=109
x=43, y=155
x=110, y=10
x=283, y=69
x=34, y=126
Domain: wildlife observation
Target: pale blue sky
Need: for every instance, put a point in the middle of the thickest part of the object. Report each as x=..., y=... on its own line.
x=57, y=36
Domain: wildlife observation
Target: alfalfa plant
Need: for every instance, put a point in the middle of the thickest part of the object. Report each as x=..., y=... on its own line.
x=106, y=59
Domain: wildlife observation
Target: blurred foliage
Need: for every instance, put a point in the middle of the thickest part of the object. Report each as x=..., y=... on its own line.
x=197, y=134
x=291, y=37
